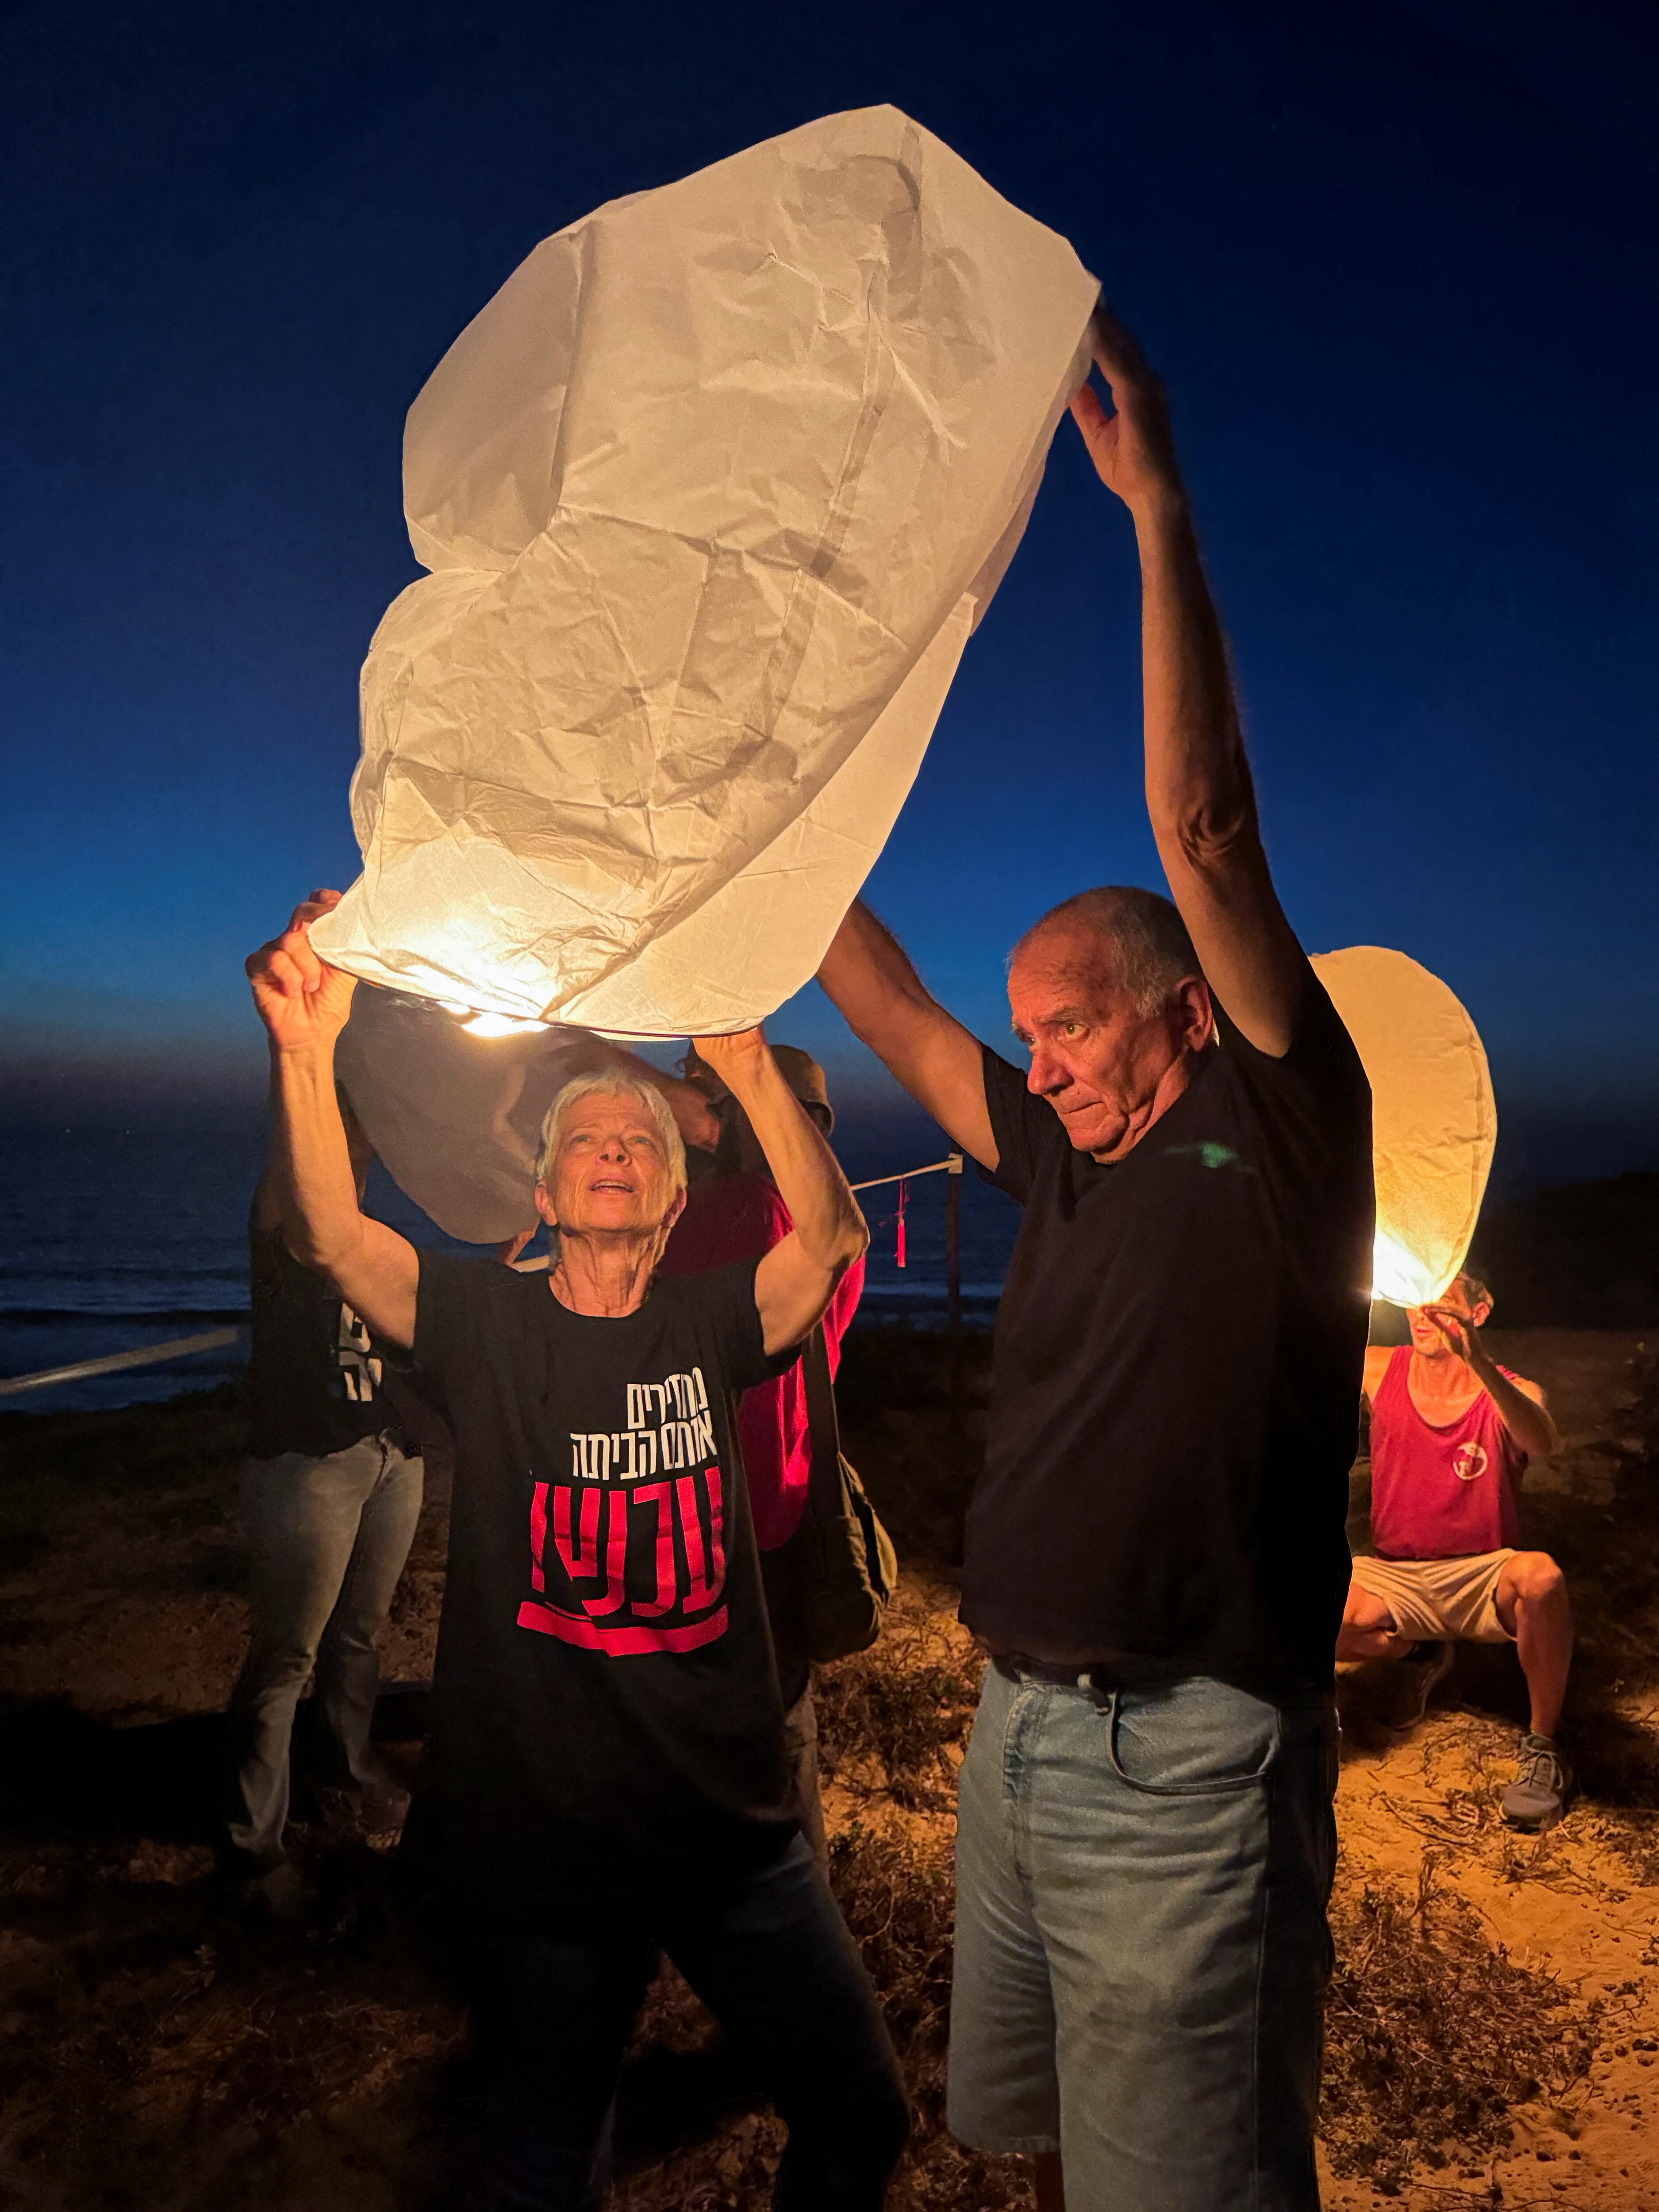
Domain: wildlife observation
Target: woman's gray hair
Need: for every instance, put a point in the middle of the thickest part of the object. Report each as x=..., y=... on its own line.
x=616, y=1086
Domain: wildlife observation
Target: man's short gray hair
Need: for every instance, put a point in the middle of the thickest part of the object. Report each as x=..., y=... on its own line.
x=1150, y=950
x=613, y=1086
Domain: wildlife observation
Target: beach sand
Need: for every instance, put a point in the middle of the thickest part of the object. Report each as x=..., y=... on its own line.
x=1494, y=2022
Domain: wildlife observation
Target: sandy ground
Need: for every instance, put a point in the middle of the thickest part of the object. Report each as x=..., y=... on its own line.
x=1494, y=2021
x=1579, y=1905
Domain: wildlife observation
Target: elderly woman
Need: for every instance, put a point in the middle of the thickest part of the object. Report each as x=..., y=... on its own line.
x=609, y=1768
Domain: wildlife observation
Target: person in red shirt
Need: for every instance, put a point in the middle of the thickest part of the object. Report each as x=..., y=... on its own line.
x=1451, y=1435
x=735, y=1213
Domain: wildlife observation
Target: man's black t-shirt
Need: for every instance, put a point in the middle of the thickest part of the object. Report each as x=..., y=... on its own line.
x=1179, y=1353
x=313, y=1378
x=607, y=1712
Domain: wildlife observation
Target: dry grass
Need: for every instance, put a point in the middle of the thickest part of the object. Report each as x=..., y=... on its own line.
x=159, y=2056
x=895, y=1887
x=1434, y=2035
x=163, y=2041
x=891, y=1719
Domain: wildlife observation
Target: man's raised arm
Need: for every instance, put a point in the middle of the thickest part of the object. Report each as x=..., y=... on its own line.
x=868, y=976
x=304, y=1004
x=1198, y=792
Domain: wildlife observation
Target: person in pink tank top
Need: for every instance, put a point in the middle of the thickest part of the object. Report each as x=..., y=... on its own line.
x=735, y=1213
x=1452, y=1433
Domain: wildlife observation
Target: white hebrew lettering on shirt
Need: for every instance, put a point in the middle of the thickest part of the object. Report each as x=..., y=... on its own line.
x=669, y=1426
x=360, y=1371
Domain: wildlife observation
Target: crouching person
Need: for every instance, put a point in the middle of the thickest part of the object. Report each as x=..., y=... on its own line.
x=1451, y=1435
x=609, y=1769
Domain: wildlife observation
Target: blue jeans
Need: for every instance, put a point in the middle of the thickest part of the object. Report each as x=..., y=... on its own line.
x=1141, y=1944
x=327, y=1538
x=768, y=1954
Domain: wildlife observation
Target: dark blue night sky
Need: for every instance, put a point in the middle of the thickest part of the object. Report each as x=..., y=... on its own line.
x=1399, y=266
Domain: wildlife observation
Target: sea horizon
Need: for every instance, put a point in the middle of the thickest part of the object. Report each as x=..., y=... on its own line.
x=118, y=1236
x=123, y=1224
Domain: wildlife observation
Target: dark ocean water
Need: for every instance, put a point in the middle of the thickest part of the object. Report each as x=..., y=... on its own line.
x=115, y=1238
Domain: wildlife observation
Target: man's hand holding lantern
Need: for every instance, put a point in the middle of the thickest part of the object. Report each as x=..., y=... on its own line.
x=729, y=1059
x=1133, y=448
x=1457, y=1331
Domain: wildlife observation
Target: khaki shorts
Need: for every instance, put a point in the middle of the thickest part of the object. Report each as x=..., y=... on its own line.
x=1456, y=1599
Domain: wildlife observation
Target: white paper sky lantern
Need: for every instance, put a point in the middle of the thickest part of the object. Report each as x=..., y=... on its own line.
x=455, y=1110
x=1433, y=1121
x=713, y=492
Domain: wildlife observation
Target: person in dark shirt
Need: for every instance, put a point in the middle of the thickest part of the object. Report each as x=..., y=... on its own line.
x=609, y=1770
x=330, y=1494
x=737, y=1214
x=1155, y=1555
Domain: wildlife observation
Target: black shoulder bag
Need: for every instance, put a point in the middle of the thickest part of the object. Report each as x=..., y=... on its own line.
x=850, y=1569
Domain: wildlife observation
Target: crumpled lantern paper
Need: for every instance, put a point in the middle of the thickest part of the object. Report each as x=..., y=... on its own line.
x=1434, y=1123
x=712, y=492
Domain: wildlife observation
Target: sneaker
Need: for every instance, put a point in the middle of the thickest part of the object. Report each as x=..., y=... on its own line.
x=1537, y=1797
x=1422, y=1666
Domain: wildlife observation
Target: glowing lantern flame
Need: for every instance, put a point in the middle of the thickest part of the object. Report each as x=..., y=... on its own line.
x=501, y=1025
x=1396, y=1276
x=1433, y=1121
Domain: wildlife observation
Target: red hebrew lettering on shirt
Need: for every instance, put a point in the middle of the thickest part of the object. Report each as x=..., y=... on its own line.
x=708, y=1580
x=616, y=1559
x=580, y=1559
x=661, y=1563
x=660, y=1495
x=538, y=1531
x=620, y=1643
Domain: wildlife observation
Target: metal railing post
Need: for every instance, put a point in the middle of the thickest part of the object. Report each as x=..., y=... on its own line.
x=955, y=1425
x=953, y=1246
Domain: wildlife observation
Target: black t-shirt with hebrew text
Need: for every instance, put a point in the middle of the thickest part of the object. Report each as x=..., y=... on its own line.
x=606, y=1710
x=1175, y=1389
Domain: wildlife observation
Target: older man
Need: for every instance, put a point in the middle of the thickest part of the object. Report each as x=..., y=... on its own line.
x=1155, y=1554
x=610, y=1771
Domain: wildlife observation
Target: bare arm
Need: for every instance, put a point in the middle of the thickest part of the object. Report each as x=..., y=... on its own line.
x=304, y=1004
x=868, y=976
x=1198, y=792
x=795, y=1279
x=1521, y=1406
x=1523, y=1410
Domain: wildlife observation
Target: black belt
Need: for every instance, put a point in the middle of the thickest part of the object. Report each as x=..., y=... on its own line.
x=1016, y=1667
x=1102, y=1676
